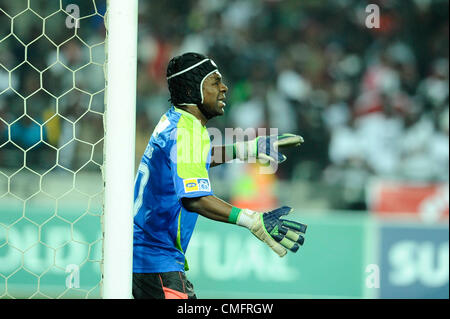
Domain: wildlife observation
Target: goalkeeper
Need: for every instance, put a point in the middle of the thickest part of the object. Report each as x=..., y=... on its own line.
x=172, y=185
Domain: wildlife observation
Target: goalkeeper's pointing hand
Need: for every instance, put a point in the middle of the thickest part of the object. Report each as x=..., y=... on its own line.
x=266, y=147
x=279, y=234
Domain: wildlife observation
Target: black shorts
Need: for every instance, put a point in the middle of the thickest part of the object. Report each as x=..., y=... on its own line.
x=167, y=285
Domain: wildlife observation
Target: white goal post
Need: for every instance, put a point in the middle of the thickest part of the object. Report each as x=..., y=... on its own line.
x=68, y=74
x=119, y=158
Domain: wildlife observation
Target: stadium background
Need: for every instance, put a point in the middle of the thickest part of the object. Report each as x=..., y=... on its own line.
x=371, y=179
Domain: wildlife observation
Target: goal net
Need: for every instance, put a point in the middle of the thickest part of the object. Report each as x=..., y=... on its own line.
x=53, y=75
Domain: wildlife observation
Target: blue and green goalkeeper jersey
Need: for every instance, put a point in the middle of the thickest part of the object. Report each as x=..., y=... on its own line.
x=175, y=164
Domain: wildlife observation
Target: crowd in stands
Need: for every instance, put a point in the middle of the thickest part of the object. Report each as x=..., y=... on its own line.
x=368, y=101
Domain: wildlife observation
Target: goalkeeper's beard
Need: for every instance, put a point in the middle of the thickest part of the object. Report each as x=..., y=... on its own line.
x=208, y=114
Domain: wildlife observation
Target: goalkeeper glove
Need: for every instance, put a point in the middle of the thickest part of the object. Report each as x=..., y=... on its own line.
x=278, y=234
x=266, y=147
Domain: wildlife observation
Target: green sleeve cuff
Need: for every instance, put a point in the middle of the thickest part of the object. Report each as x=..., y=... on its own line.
x=234, y=214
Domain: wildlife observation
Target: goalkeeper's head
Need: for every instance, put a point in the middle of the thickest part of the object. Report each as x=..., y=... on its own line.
x=194, y=79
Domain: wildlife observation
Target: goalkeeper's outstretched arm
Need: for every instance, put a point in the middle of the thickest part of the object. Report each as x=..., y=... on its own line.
x=210, y=207
x=279, y=234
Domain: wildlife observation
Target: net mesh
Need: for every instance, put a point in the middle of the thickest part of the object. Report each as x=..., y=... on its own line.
x=52, y=85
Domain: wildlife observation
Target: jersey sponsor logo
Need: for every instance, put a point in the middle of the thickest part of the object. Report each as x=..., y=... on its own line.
x=190, y=185
x=203, y=184
x=196, y=184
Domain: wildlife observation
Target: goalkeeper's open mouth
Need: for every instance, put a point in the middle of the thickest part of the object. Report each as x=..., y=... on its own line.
x=222, y=101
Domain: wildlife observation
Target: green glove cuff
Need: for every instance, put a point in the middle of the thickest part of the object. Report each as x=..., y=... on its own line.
x=234, y=214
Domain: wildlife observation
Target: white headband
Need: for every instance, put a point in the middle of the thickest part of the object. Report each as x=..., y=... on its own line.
x=189, y=68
